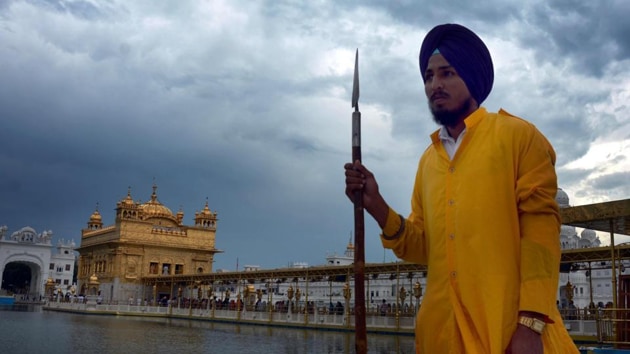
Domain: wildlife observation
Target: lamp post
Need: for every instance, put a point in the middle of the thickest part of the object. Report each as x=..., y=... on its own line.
x=239, y=299
x=330, y=294
x=211, y=300
x=298, y=295
x=347, y=293
x=290, y=296
x=569, y=290
x=417, y=292
x=403, y=296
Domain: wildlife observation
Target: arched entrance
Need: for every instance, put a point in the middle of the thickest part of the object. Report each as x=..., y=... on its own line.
x=23, y=279
x=16, y=278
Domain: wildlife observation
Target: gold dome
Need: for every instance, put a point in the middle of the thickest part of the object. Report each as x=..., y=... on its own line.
x=93, y=279
x=206, y=211
x=128, y=200
x=96, y=217
x=153, y=208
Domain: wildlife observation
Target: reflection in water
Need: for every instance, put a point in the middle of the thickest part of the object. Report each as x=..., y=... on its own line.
x=53, y=332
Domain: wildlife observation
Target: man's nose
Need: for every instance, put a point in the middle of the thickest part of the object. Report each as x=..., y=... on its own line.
x=437, y=83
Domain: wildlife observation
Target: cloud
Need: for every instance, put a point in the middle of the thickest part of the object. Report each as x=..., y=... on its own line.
x=248, y=105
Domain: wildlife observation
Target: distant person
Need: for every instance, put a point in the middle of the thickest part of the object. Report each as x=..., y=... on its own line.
x=339, y=308
x=383, y=308
x=483, y=214
x=572, y=314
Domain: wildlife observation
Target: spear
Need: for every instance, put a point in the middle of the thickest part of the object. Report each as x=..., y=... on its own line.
x=359, y=247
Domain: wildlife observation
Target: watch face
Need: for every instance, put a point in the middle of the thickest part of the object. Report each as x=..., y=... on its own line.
x=538, y=326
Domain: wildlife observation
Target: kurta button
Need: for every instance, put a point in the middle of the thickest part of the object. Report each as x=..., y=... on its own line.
x=453, y=274
x=451, y=170
x=451, y=236
x=451, y=202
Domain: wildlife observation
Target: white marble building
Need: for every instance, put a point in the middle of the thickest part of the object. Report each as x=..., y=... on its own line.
x=36, y=251
x=600, y=275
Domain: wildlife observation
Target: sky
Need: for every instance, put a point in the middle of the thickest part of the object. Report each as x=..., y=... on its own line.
x=247, y=105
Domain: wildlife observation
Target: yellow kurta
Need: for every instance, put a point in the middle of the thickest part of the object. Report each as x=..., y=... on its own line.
x=486, y=224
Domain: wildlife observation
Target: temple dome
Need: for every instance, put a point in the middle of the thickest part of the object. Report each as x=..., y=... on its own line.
x=589, y=234
x=154, y=209
x=96, y=217
x=567, y=231
x=127, y=200
x=562, y=198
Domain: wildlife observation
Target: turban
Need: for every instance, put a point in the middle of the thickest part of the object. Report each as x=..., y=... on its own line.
x=466, y=52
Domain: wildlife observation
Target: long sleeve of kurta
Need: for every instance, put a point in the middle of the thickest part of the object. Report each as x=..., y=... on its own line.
x=486, y=224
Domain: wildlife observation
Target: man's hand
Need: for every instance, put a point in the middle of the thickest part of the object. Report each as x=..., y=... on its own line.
x=525, y=341
x=360, y=178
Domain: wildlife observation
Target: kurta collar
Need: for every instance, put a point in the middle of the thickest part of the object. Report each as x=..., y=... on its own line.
x=473, y=119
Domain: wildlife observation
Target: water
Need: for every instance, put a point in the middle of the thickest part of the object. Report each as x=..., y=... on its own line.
x=31, y=330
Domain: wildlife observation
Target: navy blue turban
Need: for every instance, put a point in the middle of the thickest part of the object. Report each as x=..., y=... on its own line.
x=466, y=52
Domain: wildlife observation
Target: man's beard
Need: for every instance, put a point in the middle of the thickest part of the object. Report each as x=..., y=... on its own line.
x=453, y=117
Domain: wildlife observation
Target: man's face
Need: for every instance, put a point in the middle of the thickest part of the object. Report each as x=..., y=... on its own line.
x=449, y=98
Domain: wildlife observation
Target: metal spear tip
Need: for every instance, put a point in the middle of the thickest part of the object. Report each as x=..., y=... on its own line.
x=355, y=83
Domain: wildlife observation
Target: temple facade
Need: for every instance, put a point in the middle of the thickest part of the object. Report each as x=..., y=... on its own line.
x=146, y=239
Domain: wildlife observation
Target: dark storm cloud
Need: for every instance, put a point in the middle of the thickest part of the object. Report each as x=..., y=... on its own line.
x=611, y=181
x=588, y=34
x=248, y=105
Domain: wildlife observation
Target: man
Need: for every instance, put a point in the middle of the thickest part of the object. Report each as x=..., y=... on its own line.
x=483, y=214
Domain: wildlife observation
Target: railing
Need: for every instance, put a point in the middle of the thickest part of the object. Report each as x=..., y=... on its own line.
x=603, y=325
x=606, y=326
x=393, y=322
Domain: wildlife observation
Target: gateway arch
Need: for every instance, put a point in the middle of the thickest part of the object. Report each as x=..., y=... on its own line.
x=28, y=259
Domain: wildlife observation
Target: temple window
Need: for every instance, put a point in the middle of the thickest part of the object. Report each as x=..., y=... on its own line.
x=166, y=269
x=179, y=269
x=153, y=268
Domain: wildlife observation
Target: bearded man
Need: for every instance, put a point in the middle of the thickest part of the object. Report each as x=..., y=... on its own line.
x=483, y=214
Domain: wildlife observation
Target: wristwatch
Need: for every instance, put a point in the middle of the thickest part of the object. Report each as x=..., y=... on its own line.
x=534, y=324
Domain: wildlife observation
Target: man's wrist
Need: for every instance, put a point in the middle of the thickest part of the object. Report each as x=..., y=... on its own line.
x=534, y=324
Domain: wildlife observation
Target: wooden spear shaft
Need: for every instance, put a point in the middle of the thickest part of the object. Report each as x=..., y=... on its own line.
x=359, y=226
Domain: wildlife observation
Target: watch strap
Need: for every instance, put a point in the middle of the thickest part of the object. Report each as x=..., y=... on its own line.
x=532, y=323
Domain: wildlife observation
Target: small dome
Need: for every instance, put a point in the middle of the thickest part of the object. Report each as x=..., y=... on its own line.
x=127, y=200
x=205, y=214
x=567, y=231
x=93, y=278
x=96, y=216
x=588, y=234
x=562, y=198
x=206, y=210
